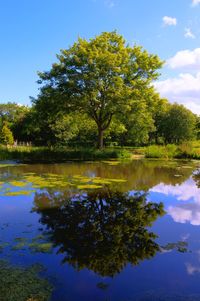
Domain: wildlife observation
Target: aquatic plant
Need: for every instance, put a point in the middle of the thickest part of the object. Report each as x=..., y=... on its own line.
x=54, y=181
x=180, y=246
x=21, y=284
x=37, y=247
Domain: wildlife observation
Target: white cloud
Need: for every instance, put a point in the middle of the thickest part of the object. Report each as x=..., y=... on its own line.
x=184, y=89
x=169, y=21
x=192, y=269
x=188, y=211
x=185, y=58
x=189, y=34
x=195, y=2
x=184, y=192
x=184, y=213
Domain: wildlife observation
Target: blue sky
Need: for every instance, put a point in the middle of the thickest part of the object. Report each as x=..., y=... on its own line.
x=33, y=31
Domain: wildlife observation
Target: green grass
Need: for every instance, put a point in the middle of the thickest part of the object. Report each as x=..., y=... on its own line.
x=48, y=155
x=186, y=150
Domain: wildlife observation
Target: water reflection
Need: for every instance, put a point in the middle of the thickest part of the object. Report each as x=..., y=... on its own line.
x=196, y=178
x=139, y=175
x=187, y=209
x=102, y=230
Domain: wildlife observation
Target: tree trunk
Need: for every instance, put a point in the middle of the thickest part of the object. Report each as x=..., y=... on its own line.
x=100, y=138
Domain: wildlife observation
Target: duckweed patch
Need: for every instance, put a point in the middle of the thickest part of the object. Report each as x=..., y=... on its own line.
x=38, y=244
x=18, y=183
x=2, y=246
x=20, y=192
x=180, y=246
x=53, y=181
x=19, y=246
x=23, y=284
x=36, y=247
x=90, y=186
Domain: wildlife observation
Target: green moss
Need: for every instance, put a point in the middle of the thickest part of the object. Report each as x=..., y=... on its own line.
x=23, y=284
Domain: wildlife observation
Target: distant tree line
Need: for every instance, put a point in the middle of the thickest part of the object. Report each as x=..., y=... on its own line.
x=168, y=123
x=99, y=92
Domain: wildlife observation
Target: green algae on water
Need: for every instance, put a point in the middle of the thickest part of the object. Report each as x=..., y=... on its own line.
x=20, y=192
x=18, y=183
x=90, y=186
x=36, y=247
x=55, y=181
x=180, y=246
x=23, y=284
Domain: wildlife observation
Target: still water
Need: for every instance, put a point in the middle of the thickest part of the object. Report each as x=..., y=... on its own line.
x=104, y=231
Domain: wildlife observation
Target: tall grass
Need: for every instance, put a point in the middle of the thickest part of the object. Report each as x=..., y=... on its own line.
x=158, y=151
x=48, y=155
x=186, y=150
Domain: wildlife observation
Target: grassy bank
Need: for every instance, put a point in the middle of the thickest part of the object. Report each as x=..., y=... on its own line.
x=188, y=150
x=50, y=155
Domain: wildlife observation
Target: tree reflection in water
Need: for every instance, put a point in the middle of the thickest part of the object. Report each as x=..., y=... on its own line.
x=102, y=230
x=196, y=178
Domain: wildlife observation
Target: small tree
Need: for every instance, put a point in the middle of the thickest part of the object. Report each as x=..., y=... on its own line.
x=6, y=135
x=178, y=124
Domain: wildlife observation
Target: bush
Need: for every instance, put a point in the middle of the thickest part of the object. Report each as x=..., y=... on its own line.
x=158, y=151
x=6, y=135
x=155, y=151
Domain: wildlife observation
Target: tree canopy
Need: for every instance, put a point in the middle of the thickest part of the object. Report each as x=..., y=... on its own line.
x=102, y=77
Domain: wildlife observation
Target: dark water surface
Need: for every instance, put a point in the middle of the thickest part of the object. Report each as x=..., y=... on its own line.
x=105, y=231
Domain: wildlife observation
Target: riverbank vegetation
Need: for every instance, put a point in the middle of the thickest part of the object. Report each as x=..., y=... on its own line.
x=32, y=154
x=98, y=101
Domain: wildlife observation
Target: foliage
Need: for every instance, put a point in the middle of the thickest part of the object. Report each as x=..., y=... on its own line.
x=6, y=135
x=156, y=151
x=139, y=123
x=100, y=85
x=186, y=150
x=178, y=124
x=100, y=77
x=46, y=154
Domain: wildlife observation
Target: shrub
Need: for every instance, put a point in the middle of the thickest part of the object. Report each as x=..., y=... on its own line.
x=6, y=135
x=155, y=151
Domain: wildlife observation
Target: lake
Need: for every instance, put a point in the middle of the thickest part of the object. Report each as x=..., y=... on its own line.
x=101, y=230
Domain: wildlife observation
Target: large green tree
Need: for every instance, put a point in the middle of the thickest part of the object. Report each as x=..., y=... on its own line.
x=101, y=77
